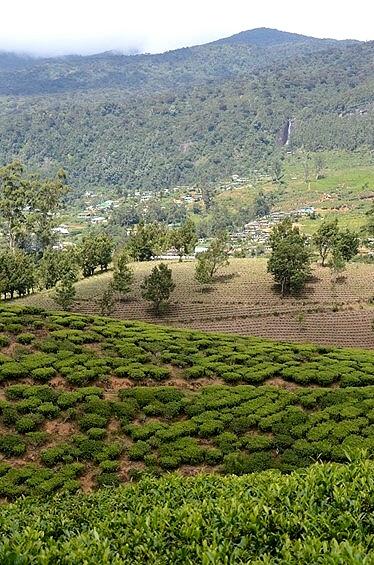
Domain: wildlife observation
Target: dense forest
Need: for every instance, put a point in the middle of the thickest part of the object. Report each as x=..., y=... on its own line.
x=195, y=115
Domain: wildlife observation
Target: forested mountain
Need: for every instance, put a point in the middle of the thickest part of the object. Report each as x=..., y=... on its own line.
x=187, y=116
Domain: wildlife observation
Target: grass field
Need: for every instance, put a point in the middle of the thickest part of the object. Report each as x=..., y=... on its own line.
x=244, y=301
x=89, y=401
x=346, y=190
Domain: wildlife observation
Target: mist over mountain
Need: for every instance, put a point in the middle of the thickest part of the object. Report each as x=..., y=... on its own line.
x=197, y=114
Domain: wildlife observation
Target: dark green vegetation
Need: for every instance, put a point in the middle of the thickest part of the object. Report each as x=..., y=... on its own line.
x=90, y=401
x=323, y=515
x=187, y=116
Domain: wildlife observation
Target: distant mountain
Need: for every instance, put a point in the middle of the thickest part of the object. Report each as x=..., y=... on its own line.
x=191, y=115
x=265, y=37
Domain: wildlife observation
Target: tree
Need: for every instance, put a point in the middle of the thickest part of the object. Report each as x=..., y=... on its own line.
x=46, y=195
x=184, y=238
x=325, y=238
x=210, y=261
x=208, y=193
x=347, y=244
x=370, y=223
x=55, y=265
x=278, y=173
x=123, y=276
x=65, y=293
x=15, y=197
x=158, y=286
x=95, y=250
x=17, y=274
x=146, y=241
x=107, y=302
x=104, y=250
x=289, y=261
x=28, y=205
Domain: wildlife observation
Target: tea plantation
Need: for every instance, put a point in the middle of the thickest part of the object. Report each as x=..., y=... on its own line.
x=321, y=515
x=87, y=402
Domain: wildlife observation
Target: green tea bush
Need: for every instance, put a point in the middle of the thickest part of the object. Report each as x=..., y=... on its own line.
x=12, y=445
x=43, y=374
x=29, y=423
x=88, y=421
x=25, y=338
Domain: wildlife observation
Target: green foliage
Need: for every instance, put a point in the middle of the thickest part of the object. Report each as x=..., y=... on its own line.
x=95, y=250
x=184, y=239
x=209, y=262
x=146, y=241
x=56, y=266
x=123, y=276
x=17, y=275
x=65, y=293
x=289, y=261
x=158, y=286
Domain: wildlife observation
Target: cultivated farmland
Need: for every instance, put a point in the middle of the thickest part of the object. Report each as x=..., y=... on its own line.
x=244, y=301
x=89, y=401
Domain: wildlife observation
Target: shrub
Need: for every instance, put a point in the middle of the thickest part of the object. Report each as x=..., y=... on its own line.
x=36, y=439
x=15, y=392
x=25, y=338
x=13, y=370
x=43, y=374
x=108, y=480
x=241, y=463
x=139, y=450
x=92, y=421
x=256, y=442
x=12, y=445
x=28, y=423
x=48, y=410
x=44, y=392
x=96, y=433
x=57, y=454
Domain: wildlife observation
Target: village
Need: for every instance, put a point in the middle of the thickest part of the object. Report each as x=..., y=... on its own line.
x=252, y=238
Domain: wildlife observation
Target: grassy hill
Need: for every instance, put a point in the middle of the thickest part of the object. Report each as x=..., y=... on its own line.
x=322, y=516
x=244, y=301
x=88, y=402
x=195, y=115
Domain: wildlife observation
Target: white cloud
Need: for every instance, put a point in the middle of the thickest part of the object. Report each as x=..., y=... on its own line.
x=88, y=26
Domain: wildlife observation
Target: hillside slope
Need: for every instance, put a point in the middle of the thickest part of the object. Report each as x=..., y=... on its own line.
x=87, y=402
x=194, y=115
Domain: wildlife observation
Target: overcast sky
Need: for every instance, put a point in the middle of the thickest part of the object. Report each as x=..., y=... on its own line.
x=51, y=27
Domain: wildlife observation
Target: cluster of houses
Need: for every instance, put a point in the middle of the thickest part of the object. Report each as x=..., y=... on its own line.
x=98, y=214
x=258, y=231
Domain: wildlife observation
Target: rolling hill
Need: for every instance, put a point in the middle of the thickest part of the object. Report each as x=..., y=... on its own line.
x=193, y=115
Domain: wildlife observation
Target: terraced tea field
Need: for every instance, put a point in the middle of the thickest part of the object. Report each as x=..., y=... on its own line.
x=92, y=401
x=244, y=302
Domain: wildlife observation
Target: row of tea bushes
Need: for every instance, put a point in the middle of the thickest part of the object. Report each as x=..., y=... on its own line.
x=89, y=350
x=238, y=430
x=322, y=515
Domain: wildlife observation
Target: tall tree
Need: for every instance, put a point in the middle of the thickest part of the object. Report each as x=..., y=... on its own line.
x=158, y=286
x=210, y=261
x=95, y=250
x=290, y=257
x=146, y=241
x=15, y=198
x=28, y=205
x=184, y=238
x=325, y=238
x=123, y=276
